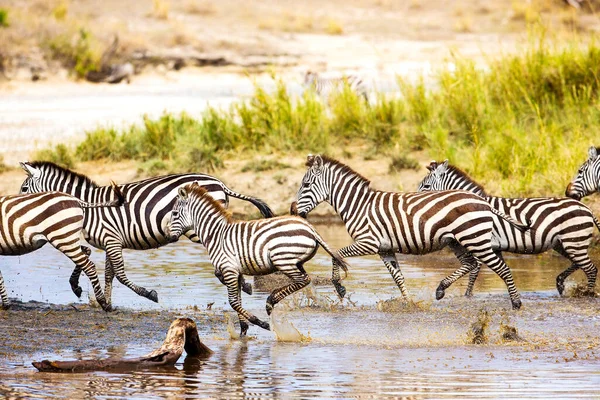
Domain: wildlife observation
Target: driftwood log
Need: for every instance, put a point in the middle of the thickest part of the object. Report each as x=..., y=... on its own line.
x=182, y=335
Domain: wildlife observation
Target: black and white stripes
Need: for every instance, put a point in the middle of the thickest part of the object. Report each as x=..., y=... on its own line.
x=139, y=224
x=31, y=220
x=326, y=86
x=238, y=248
x=562, y=224
x=387, y=223
x=587, y=180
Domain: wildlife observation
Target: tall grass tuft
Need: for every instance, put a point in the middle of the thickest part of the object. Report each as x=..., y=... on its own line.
x=523, y=123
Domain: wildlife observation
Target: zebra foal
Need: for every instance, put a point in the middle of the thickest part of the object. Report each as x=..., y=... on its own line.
x=387, y=224
x=326, y=86
x=139, y=224
x=29, y=221
x=238, y=248
x=562, y=224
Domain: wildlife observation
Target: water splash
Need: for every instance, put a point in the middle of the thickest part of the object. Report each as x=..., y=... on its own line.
x=285, y=331
x=231, y=328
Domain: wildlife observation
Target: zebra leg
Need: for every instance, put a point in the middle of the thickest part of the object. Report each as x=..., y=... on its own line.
x=235, y=301
x=357, y=249
x=496, y=263
x=472, y=278
x=300, y=279
x=245, y=286
x=389, y=259
x=109, y=276
x=5, y=303
x=579, y=259
x=468, y=264
x=74, y=279
x=114, y=251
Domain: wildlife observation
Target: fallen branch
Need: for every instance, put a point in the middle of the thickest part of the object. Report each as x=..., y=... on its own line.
x=182, y=335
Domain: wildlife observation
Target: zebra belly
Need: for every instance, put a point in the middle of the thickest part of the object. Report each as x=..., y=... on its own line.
x=37, y=242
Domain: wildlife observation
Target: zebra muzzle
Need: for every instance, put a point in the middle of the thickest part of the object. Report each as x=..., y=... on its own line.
x=294, y=208
x=570, y=193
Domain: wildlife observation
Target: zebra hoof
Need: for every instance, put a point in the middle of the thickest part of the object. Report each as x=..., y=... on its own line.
x=440, y=293
x=5, y=306
x=516, y=304
x=269, y=307
x=341, y=290
x=468, y=293
x=560, y=286
x=247, y=288
x=77, y=290
x=264, y=325
x=152, y=295
x=243, y=328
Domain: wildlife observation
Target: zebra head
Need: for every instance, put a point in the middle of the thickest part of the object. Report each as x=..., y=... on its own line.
x=181, y=220
x=588, y=177
x=313, y=189
x=435, y=178
x=33, y=182
x=310, y=77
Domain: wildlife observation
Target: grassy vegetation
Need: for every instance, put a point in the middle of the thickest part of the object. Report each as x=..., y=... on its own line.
x=4, y=18
x=76, y=50
x=520, y=126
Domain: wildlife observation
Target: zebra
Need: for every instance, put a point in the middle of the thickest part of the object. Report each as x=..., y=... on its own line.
x=256, y=247
x=140, y=224
x=29, y=221
x=326, y=86
x=562, y=224
x=587, y=180
x=387, y=223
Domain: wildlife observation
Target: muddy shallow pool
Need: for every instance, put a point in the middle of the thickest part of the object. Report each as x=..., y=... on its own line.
x=366, y=346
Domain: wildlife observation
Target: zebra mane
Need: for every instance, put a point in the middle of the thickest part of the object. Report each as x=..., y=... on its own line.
x=63, y=170
x=202, y=193
x=341, y=167
x=462, y=174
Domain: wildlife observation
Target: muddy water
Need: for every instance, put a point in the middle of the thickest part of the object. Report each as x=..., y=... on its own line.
x=353, y=348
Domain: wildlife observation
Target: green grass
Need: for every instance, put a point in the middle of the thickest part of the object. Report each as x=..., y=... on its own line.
x=77, y=51
x=522, y=125
x=4, y=23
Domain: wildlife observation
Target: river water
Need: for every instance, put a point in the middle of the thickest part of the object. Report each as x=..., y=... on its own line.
x=357, y=348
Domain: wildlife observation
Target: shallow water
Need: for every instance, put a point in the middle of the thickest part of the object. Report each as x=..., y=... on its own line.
x=353, y=351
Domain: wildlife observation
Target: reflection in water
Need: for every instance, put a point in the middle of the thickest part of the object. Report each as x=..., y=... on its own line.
x=355, y=352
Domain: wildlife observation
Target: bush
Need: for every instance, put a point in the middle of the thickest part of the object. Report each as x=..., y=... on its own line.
x=75, y=51
x=4, y=18
x=60, y=155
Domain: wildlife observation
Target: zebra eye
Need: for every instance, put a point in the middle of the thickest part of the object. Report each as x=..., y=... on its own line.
x=305, y=184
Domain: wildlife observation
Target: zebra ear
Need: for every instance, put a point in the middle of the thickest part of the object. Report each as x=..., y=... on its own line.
x=432, y=165
x=592, y=153
x=442, y=168
x=29, y=170
x=183, y=194
x=318, y=163
x=310, y=159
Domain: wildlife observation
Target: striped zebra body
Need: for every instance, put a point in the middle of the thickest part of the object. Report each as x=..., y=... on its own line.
x=30, y=221
x=139, y=224
x=562, y=224
x=587, y=180
x=238, y=248
x=326, y=86
x=387, y=223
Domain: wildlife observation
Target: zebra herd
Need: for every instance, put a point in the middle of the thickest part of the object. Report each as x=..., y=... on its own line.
x=57, y=206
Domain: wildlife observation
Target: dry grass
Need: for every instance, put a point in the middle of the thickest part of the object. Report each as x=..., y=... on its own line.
x=160, y=9
x=200, y=7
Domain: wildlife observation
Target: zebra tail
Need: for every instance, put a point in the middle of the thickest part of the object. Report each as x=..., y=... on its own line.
x=513, y=222
x=264, y=209
x=115, y=203
x=339, y=260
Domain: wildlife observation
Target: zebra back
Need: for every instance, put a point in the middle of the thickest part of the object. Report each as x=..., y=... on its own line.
x=326, y=86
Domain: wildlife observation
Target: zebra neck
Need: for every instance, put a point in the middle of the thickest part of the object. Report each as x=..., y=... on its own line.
x=348, y=195
x=209, y=227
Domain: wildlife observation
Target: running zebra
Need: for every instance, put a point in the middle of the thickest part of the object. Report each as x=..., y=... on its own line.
x=238, y=248
x=387, y=223
x=562, y=224
x=326, y=86
x=140, y=224
x=587, y=180
x=30, y=221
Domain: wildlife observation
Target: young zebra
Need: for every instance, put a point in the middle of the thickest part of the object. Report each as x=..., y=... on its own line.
x=140, y=224
x=239, y=248
x=587, y=180
x=30, y=221
x=562, y=224
x=387, y=223
x=326, y=86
